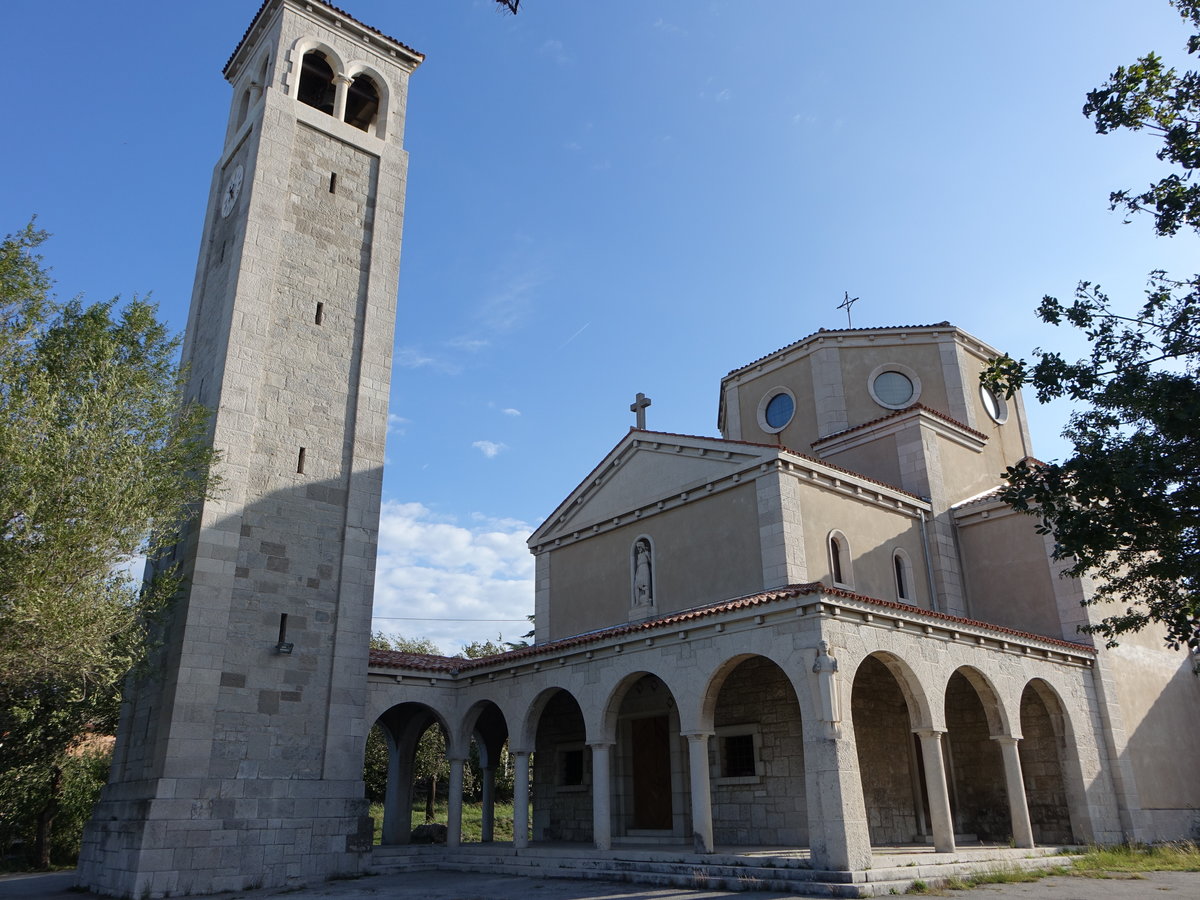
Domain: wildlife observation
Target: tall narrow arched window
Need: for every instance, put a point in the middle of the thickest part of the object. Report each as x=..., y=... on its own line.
x=840, y=564
x=243, y=107
x=362, y=103
x=316, y=82
x=903, y=572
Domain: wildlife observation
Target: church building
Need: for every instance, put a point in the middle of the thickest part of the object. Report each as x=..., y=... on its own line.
x=814, y=636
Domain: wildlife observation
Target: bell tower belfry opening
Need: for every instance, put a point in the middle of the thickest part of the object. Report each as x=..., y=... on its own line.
x=238, y=761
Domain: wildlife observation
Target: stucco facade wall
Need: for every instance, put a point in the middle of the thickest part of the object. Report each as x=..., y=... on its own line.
x=1006, y=572
x=704, y=551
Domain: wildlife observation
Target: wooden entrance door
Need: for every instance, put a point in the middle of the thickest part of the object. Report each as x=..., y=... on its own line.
x=651, y=772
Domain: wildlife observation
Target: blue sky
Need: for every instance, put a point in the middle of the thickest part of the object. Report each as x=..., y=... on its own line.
x=613, y=197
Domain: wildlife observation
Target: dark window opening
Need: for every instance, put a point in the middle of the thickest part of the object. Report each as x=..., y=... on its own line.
x=320, y=316
x=316, y=83
x=835, y=554
x=901, y=587
x=300, y=462
x=737, y=756
x=572, y=767
x=362, y=103
x=333, y=182
x=243, y=108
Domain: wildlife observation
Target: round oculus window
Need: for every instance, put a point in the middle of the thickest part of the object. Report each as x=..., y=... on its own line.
x=779, y=410
x=995, y=405
x=893, y=388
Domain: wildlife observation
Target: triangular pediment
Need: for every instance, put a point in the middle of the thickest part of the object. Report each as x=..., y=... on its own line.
x=644, y=468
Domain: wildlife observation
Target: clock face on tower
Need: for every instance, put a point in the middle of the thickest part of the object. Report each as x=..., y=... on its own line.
x=233, y=187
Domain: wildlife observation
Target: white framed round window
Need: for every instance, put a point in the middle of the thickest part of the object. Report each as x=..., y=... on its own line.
x=894, y=386
x=995, y=404
x=776, y=410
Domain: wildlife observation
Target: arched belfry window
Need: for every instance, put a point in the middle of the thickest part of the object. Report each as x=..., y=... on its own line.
x=841, y=566
x=362, y=103
x=316, y=82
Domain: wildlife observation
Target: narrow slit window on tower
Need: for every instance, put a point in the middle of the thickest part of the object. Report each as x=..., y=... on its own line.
x=333, y=182
x=901, y=585
x=282, y=645
x=362, y=103
x=316, y=82
x=300, y=462
x=320, y=316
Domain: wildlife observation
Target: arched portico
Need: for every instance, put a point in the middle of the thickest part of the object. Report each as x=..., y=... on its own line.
x=402, y=727
x=1045, y=727
x=564, y=769
x=755, y=760
x=650, y=775
x=904, y=790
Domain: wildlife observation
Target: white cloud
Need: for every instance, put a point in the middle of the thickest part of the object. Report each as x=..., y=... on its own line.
x=471, y=345
x=722, y=95
x=511, y=412
x=412, y=358
x=396, y=424
x=555, y=50
x=432, y=569
x=489, y=448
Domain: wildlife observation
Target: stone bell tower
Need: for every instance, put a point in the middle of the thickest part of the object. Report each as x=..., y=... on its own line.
x=238, y=761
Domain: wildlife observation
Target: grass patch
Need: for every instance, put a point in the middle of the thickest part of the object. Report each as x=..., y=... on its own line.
x=1098, y=862
x=472, y=819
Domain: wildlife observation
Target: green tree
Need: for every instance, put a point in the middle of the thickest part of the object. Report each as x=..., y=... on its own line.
x=102, y=463
x=1125, y=507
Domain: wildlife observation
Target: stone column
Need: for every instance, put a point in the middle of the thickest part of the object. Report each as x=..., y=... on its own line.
x=1018, y=806
x=341, y=89
x=397, y=801
x=702, y=830
x=454, y=814
x=487, y=826
x=935, y=784
x=520, y=799
x=839, y=838
x=601, y=803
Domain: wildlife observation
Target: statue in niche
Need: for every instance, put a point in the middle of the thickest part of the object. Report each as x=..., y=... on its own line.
x=643, y=582
x=825, y=668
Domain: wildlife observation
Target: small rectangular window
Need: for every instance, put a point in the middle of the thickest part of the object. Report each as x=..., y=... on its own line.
x=737, y=756
x=320, y=316
x=571, y=768
x=300, y=462
x=333, y=182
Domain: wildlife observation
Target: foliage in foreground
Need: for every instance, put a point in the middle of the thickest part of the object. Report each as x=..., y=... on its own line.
x=102, y=463
x=1125, y=507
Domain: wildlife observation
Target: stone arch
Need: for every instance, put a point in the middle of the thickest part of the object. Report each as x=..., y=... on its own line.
x=974, y=762
x=402, y=726
x=301, y=52
x=887, y=705
x=485, y=726
x=378, y=123
x=524, y=739
x=756, y=755
x=921, y=712
x=704, y=713
x=1047, y=739
x=556, y=730
x=649, y=761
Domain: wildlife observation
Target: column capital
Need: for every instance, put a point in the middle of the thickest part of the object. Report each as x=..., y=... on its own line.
x=601, y=745
x=934, y=733
x=1007, y=738
x=462, y=760
x=519, y=753
x=698, y=735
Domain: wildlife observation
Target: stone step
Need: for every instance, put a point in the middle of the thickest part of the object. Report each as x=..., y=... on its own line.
x=718, y=872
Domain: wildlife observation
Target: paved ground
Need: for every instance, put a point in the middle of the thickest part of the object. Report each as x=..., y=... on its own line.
x=460, y=886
